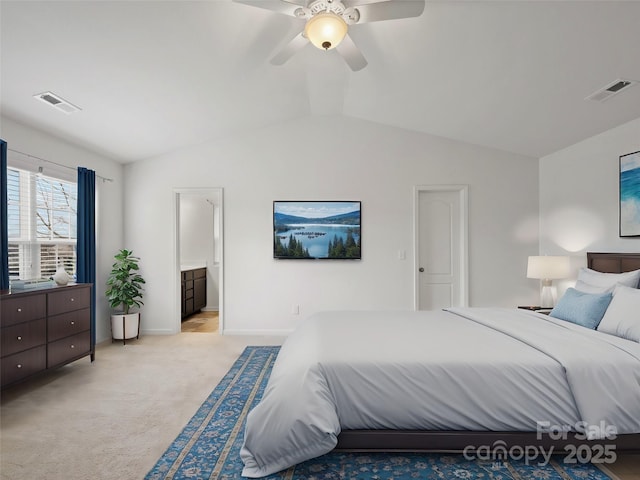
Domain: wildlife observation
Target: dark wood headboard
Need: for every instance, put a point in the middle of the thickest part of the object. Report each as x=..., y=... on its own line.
x=613, y=262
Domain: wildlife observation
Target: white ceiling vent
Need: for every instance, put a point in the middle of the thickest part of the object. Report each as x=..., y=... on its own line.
x=57, y=102
x=610, y=90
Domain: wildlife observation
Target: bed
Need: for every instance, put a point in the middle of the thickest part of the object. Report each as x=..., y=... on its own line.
x=417, y=381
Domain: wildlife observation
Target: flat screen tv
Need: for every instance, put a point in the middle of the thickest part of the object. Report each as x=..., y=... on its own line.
x=316, y=230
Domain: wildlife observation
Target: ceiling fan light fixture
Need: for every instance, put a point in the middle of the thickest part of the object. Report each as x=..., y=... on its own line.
x=326, y=30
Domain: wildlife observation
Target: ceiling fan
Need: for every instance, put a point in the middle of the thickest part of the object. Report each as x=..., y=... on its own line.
x=328, y=23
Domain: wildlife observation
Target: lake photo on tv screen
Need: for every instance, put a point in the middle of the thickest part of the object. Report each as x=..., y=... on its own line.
x=315, y=230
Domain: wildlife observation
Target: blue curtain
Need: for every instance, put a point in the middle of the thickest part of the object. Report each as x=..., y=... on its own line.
x=86, y=246
x=4, y=275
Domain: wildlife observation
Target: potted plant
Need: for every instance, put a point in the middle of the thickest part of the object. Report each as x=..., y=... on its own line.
x=124, y=291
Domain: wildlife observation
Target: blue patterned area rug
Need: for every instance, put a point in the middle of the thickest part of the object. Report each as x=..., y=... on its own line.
x=209, y=446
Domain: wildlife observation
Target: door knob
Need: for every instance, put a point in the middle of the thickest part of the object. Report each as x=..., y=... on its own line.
x=421, y=269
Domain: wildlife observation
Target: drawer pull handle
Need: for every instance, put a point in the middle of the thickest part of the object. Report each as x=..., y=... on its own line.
x=19, y=310
x=73, y=323
x=73, y=299
x=19, y=338
x=73, y=346
x=19, y=365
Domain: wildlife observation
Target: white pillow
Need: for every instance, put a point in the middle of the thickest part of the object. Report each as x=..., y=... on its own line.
x=588, y=288
x=622, y=318
x=599, y=279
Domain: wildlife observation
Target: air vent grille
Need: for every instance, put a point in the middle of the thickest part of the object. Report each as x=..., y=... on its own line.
x=56, y=101
x=616, y=87
x=610, y=90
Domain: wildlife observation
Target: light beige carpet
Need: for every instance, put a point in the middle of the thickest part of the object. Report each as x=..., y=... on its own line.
x=114, y=418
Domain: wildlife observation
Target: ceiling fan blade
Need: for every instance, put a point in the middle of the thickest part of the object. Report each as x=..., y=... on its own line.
x=351, y=54
x=296, y=44
x=389, y=10
x=287, y=7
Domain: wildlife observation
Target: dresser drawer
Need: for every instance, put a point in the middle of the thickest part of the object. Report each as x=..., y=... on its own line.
x=188, y=306
x=188, y=293
x=200, y=273
x=22, y=309
x=62, y=351
x=23, y=336
x=68, y=299
x=70, y=323
x=21, y=365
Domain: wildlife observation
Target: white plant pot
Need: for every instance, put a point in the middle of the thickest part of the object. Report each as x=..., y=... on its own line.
x=124, y=326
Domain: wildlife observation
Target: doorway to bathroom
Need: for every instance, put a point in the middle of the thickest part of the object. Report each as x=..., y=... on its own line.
x=199, y=260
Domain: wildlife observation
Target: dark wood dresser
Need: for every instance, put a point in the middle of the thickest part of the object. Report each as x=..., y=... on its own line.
x=194, y=290
x=43, y=329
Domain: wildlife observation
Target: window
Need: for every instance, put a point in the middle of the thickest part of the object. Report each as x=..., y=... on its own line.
x=42, y=224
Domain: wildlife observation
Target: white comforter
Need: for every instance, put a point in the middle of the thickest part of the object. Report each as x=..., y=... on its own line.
x=462, y=369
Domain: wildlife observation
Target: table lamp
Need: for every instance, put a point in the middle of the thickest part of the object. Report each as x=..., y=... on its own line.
x=547, y=269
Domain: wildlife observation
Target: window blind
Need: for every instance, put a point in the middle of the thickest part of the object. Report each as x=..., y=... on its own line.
x=42, y=224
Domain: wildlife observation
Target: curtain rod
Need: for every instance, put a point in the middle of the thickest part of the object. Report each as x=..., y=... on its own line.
x=104, y=179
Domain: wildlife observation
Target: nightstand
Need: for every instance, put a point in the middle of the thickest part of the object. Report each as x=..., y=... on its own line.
x=536, y=308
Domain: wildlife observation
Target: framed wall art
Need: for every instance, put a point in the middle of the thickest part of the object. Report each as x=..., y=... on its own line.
x=317, y=230
x=630, y=195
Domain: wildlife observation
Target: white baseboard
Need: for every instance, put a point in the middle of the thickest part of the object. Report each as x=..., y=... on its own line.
x=239, y=332
x=162, y=331
x=142, y=332
x=264, y=333
x=210, y=309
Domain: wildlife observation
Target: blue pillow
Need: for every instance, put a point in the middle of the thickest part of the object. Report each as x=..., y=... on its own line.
x=586, y=309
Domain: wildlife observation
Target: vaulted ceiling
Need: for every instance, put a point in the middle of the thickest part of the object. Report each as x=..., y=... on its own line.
x=155, y=76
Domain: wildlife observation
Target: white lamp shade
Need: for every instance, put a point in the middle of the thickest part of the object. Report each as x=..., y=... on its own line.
x=326, y=30
x=548, y=267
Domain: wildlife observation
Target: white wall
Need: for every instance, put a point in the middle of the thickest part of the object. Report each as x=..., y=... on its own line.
x=340, y=158
x=331, y=158
x=579, y=197
x=109, y=224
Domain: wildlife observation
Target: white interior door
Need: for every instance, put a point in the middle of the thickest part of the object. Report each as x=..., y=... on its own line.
x=441, y=247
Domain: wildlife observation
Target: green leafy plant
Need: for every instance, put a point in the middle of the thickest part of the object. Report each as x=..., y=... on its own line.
x=125, y=283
